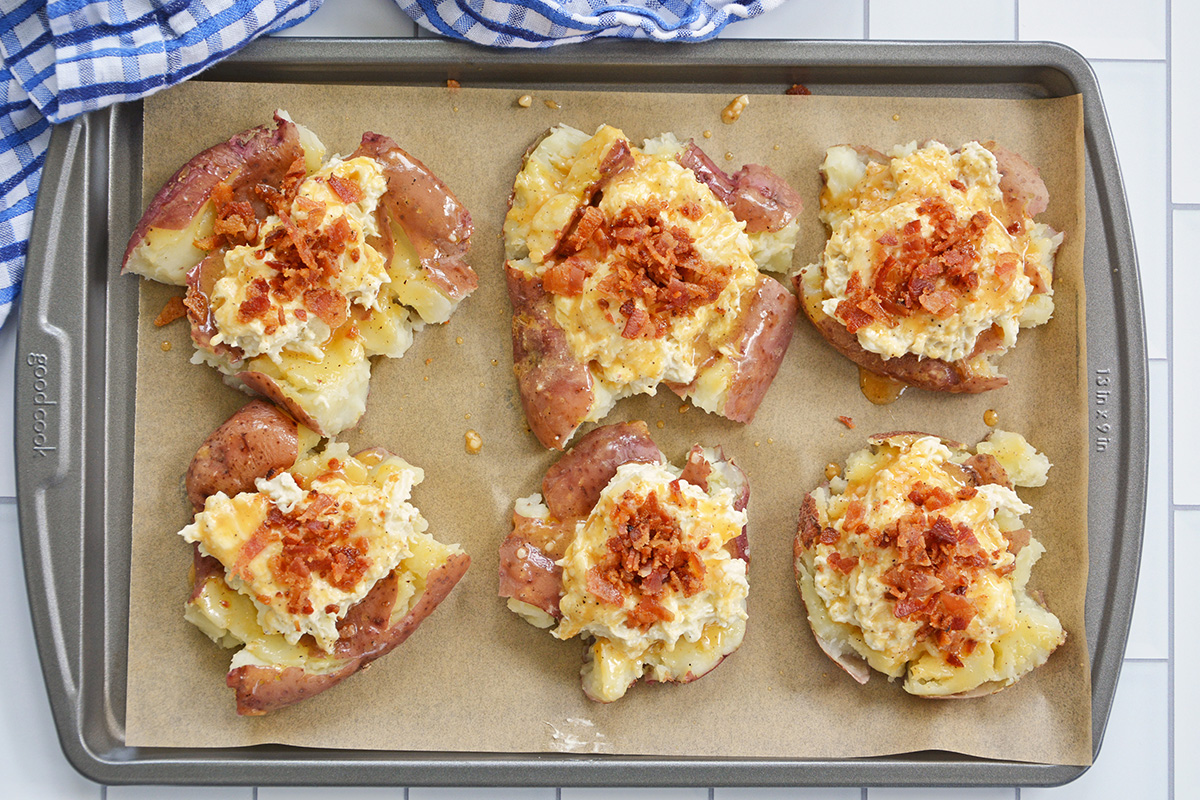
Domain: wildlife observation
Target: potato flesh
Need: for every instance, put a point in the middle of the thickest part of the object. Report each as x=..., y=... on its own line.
x=166, y=255
x=410, y=285
x=608, y=671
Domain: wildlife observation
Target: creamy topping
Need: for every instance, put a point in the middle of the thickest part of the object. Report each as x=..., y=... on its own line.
x=922, y=257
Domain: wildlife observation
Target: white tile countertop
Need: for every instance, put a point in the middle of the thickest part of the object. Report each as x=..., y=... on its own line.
x=1147, y=62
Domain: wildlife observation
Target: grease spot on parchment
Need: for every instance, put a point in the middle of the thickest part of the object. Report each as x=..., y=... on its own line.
x=577, y=735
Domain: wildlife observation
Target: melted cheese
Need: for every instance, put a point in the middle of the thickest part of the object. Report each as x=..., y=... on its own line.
x=1012, y=633
x=862, y=202
x=702, y=628
x=371, y=497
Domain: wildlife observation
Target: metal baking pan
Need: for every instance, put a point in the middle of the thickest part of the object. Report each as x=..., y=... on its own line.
x=75, y=378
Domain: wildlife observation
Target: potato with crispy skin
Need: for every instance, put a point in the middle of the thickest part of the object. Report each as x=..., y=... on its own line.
x=933, y=263
x=646, y=560
x=317, y=568
x=298, y=272
x=629, y=267
x=915, y=563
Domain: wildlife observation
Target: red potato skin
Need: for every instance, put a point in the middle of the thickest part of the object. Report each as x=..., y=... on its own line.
x=755, y=194
x=260, y=690
x=200, y=282
x=809, y=529
x=762, y=342
x=696, y=472
x=534, y=579
x=265, y=385
x=1020, y=182
x=437, y=224
x=931, y=374
x=573, y=484
x=258, y=155
x=258, y=441
x=203, y=568
x=556, y=389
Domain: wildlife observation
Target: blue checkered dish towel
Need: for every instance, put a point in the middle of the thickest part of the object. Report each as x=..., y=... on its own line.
x=61, y=58
x=540, y=23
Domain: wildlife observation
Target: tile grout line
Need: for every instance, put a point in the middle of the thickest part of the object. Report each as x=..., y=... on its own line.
x=1016, y=20
x=1127, y=60
x=866, y=36
x=1178, y=206
x=1170, y=312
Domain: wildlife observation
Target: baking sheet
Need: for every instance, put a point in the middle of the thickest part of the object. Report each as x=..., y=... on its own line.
x=423, y=696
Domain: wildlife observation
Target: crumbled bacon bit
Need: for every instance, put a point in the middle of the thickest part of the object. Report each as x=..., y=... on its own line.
x=914, y=272
x=328, y=304
x=931, y=498
x=234, y=221
x=938, y=560
x=646, y=558
x=842, y=564
x=311, y=545
x=347, y=191
x=566, y=278
x=854, y=516
x=847, y=421
x=692, y=210
x=657, y=272
x=591, y=220
x=258, y=300
x=452, y=84
x=173, y=310
x=637, y=321
x=797, y=89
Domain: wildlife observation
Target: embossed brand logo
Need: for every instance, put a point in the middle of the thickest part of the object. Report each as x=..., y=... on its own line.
x=43, y=403
x=1102, y=393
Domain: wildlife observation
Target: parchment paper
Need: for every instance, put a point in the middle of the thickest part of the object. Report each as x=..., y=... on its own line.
x=477, y=678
